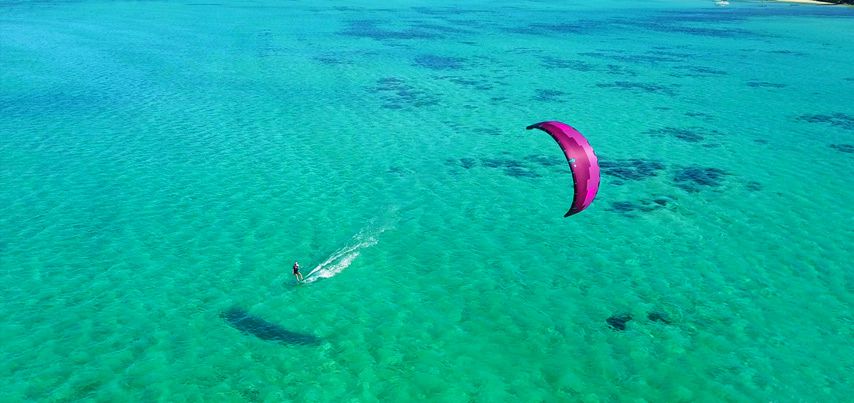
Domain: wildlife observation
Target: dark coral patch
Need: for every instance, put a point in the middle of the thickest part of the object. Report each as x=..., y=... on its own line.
x=468, y=163
x=549, y=95
x=546, y=161
x=439, y=28
x=551, y=62
x=639, y=87
x=679, y=133
x=618, y=322
x=511, y=167
x=475, y=83
x=631, y=169
x=501, y=163
x=618, y=70
x=456, y=125
x=623, y=207
x=398, y=95
x=522, y=50
x=689, y=134
x=331, y=60
x=371, y=29
x=834, y=119
x=447, y=11
x=699, y=115
x=631, y=208
x=390, y=82
x=844, y=148
x=435, y=62
x=697, y=71
x=652, y=58
x=671, y=52
x=578, y=27
x=661, y=201
x=787, y=52
x=267, y=45
x=710, y=32
x=657, y=316
x=461, y=80
x=565, y=28
x=694, y=178
x=753, y=186
x=521, y=172
x=677, y=23
x=492, y=131
x=764, y=84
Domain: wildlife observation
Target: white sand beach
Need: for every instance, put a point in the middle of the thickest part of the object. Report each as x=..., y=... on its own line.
x=819, y=3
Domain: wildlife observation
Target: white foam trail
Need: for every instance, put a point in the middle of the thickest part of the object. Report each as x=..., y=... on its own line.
x=343, y=258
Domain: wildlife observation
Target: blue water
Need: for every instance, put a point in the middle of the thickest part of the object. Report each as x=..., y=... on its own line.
x=162, y=164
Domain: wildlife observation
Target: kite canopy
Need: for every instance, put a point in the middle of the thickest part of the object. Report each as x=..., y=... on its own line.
x=582, y=161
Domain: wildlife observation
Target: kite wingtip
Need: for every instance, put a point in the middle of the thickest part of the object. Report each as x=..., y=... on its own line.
x=539, y=125
x=574, y=211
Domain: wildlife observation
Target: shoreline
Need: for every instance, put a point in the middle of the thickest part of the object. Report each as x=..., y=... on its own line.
x=814, y=2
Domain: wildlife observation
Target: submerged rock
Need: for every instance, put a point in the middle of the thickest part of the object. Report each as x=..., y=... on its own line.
x=618, y=322
x=656, y=316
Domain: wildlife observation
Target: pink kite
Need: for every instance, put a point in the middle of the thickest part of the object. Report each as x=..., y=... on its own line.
x=582, y=160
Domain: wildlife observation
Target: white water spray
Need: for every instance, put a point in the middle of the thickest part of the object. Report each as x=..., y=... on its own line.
x=344, y=257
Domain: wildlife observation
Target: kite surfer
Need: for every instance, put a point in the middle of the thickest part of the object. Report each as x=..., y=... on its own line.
x=297, y=274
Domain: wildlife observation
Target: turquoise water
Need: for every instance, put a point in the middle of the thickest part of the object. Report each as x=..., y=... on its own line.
x=163, y=164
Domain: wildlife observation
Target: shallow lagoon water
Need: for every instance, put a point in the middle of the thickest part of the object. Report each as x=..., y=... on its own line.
x=163, y=164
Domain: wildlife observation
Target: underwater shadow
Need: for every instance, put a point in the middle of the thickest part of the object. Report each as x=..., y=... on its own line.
x=247, y=323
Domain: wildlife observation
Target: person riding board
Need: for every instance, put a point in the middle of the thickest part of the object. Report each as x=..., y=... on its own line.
x=297, y=274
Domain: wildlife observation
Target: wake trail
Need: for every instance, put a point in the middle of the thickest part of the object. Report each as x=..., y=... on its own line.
x=344, y=257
